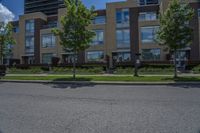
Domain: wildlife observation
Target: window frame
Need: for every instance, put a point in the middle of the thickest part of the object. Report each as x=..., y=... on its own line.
x=52, y=55
x=153, y=34
x=52, y=43
x=121, y=20
x=102, y=18
x=96, y=40
x=120, y=42
x=30, y=26
x=152, y=51
x=92, y=53
x=146, y=17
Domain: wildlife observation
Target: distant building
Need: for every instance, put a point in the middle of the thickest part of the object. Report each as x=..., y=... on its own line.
x=48, y=7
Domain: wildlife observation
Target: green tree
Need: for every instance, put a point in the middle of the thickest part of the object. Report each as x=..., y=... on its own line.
x=75, y=36
x=6, y=39
x=175, y=32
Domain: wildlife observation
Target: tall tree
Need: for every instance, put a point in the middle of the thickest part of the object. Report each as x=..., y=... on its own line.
x=75, y=36
x=6, y=39
x=175, y=33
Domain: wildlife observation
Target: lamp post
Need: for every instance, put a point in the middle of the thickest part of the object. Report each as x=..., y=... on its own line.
x=137, y=64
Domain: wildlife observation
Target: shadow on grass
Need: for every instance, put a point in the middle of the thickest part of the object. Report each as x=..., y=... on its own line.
x=71, y=79
x=73, y=85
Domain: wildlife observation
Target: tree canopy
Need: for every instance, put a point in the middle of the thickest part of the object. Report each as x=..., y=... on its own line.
x=6, y=39
x=75, y=34
x=175, y=31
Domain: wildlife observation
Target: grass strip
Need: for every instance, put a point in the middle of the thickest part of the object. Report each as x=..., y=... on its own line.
x=107, y=78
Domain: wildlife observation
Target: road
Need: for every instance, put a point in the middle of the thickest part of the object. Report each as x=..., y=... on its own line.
x=50, y=108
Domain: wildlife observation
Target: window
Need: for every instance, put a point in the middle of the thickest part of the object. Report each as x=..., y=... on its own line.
x=148, y=16
x=121, y=56
x=95, y=56
x=151, y=54
x=123, y=38
x=148, y=34
x=50, y=24
x=30, y=26
x=99, y=20
x=46, y=58
x=16, y=29
x=148, y=2
x=48, y=40
x=99, y=37
x=198, y=12
x=122, y=17
x=29, y=44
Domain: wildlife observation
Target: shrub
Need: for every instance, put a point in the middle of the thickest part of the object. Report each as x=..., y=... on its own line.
x=45, y=68
x=22, y=66
x=96, y=70
x=124, y=70
x=196, y=69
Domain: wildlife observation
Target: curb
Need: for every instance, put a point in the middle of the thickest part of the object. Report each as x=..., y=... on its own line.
x=99, y=82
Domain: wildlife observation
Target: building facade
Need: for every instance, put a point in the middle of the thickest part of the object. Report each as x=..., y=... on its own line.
x=123, y=30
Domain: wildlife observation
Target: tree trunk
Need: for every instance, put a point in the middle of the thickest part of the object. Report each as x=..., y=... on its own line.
x=136, y=67
x=74, y=66
x=136, y=71
x=175, y=65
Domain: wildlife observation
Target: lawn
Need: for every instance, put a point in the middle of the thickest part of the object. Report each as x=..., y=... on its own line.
x=105, y=78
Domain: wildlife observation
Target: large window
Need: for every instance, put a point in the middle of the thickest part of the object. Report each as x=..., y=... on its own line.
x=99, y=20
x=148, y=34
x=122, y=17
x=29, y=44
x=151, y=54
x=95, y=56
x=46, y=58
x=48, y=40
x=99, y=37
x=123, y=38
x=148, y=2
x=121, y=56
x=30, y=26
x=148, y=16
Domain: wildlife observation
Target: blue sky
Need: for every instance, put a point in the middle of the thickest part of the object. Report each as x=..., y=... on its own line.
x=16, y=6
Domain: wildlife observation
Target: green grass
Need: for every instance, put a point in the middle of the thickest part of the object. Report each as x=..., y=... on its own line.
x=105, y=78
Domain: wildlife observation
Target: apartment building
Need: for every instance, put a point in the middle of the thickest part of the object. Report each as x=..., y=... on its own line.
x=123, y=30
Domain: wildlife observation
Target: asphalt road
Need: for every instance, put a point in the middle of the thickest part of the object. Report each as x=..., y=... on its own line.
x=47, y=108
